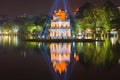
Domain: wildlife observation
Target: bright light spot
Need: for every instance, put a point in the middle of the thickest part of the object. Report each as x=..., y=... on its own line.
x=5, y=32
x=113, y=40
x=113, y=32
x=43, y=36
x=80, y=35
x=96, y=43
x=24, y=54
x=118, y=61
x=15, y=30
x=88, y=30
x=73, y=36
x=39, y=44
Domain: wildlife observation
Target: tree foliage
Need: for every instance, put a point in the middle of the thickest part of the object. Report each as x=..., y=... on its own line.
x=9, y=26
x=93, y=17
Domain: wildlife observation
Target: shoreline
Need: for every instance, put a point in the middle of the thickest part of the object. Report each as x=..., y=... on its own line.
x=63, y=40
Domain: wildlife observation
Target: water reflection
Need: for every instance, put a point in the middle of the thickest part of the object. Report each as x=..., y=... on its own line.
x=113, y=40
x=9, y=41
x=60, y=56
x=99, y=53
x=61, y=59
x=89, y=54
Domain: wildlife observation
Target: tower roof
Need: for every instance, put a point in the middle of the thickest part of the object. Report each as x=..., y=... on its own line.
x=61, y=14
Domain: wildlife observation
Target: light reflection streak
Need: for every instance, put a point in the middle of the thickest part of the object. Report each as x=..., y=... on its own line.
x=113, y=40
x=9, y=40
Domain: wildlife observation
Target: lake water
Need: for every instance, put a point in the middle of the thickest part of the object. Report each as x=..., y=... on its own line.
x=21, y=60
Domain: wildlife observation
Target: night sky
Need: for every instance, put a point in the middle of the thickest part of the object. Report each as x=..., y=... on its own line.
x=36, y=7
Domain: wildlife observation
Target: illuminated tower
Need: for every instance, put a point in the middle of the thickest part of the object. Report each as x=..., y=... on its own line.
x=60, y=25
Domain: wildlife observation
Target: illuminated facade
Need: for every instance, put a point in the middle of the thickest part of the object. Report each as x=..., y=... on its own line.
x=60, y=25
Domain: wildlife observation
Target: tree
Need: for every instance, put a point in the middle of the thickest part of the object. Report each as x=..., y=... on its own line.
x=115, y=23
x=112, y=13
x=10, y=27
x=95, y=18
x=29, y=26
x=80, y=13
x=40, y=20
x=84, y=18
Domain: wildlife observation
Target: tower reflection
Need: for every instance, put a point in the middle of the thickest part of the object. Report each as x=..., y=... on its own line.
x=60, y=56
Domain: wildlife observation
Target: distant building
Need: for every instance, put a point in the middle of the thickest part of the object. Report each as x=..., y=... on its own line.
x=3, y=17
x=26, y=16
x=6, y=17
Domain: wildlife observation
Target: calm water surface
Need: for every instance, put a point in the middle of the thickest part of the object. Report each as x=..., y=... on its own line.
x=59, y=61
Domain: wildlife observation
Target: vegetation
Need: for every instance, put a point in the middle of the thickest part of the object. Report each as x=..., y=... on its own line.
x=23, y=26
x=103, y=18
x=9, y=27
x=89, y=20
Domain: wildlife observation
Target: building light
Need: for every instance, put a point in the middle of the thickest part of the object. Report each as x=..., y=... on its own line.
x=43, y=36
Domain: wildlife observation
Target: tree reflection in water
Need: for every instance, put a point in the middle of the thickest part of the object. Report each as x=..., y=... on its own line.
x=62, y=58
x=99, y=53
x=9, y=41
x=64, y=55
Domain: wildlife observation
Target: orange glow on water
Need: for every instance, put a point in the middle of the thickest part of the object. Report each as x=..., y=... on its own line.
x=61, y=67
x=76, y=57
